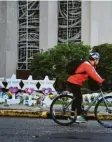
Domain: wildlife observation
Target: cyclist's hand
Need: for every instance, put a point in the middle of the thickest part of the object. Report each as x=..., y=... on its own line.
x=102, y=84
x=105, y=85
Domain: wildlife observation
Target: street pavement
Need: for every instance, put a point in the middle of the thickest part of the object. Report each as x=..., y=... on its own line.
x=13, y=129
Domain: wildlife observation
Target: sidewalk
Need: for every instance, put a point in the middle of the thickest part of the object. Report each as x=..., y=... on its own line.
x=23, y=111
x=34, y=112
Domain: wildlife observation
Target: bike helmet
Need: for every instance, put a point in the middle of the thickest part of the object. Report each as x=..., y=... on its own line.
x=94, y=56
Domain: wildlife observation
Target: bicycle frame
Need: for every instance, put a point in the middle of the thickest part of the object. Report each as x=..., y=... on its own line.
x=102, y=97
x=91, y=104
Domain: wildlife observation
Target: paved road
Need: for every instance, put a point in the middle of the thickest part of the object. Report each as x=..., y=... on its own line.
x=44, y=130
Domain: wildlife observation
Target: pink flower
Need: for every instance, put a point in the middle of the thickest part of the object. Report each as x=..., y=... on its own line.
x=29, y=90
x=40, y=100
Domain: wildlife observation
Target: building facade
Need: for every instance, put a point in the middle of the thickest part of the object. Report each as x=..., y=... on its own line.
x=28, y=27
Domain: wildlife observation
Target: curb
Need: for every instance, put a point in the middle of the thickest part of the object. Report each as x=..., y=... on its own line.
x=40, y=114
x=24, y=113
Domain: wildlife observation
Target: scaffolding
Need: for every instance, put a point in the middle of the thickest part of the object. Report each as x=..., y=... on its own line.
x=28, y=40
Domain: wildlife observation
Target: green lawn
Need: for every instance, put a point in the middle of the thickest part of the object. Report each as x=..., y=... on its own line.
x=85, y=104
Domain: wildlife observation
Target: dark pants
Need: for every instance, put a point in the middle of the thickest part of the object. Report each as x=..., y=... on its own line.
x=77, y=103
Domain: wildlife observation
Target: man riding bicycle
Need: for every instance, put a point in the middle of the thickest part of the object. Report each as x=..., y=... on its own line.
x=76, y=80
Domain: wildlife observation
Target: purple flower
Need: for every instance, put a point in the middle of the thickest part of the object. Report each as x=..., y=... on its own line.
x=13, y=89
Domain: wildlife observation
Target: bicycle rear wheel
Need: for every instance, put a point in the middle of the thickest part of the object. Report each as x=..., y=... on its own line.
x=60, y=110
x=103, y=111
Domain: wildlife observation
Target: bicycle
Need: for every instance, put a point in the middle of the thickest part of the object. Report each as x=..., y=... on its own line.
x=102, y=110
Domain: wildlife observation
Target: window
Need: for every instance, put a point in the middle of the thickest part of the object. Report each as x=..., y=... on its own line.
x=28, y=31
x=69, y=21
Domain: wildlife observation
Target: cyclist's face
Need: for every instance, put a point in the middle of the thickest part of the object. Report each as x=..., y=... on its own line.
x=96, y=62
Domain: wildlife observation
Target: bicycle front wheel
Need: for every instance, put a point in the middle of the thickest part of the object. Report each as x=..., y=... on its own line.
x=60, y=110
x=103, y=111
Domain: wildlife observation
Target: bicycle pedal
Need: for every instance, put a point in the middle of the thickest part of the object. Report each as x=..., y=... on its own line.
x=76, y=122
x=81, y=122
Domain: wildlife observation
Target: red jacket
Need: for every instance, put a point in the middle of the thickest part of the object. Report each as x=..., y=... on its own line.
x=89, y=71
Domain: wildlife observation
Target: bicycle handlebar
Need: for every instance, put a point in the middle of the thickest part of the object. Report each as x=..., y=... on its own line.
x=96, y=91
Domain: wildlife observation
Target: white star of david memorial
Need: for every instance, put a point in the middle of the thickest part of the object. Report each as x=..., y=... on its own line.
x=29, y=83
x=1, y=84
x=13, y=82
x=47, y=84
x=2, y=100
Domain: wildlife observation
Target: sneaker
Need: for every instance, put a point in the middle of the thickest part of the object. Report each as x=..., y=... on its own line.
x=72, y=117
x=81, y=119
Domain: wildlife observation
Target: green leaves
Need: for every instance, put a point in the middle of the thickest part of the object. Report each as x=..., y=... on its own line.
x=53, y=62
x=105, y=66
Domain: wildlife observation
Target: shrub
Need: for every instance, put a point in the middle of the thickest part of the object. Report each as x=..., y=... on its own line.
x=53, y=62
x=105, y=65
